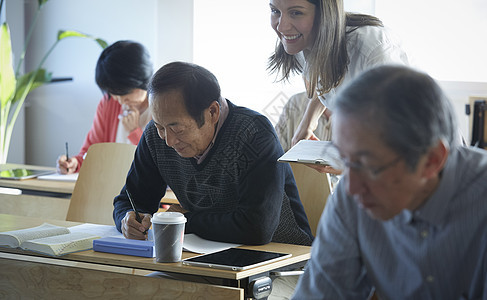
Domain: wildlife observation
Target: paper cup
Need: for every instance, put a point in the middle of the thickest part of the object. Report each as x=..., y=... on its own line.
x=168, y=229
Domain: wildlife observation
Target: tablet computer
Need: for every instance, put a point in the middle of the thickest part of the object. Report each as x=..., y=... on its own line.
x=236, y=259
x=21, y=173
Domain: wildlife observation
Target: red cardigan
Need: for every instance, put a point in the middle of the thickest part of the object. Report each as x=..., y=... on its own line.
x=104, y=128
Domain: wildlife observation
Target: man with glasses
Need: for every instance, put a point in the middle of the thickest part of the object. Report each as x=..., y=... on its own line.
x=409, y=217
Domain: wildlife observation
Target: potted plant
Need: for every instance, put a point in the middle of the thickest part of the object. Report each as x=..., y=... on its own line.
x=14, y=87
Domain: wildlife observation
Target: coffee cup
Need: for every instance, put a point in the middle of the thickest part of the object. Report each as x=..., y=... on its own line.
x=168, y=230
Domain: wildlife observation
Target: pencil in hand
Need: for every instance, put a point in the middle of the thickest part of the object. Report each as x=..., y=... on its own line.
x=137, y=215
x=67, y=157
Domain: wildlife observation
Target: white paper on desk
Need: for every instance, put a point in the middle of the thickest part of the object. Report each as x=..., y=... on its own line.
x=194, y=243
x=59, y=177
x=96, y=229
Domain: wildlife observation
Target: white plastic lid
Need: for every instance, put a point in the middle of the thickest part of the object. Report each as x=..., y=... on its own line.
x=168, y=218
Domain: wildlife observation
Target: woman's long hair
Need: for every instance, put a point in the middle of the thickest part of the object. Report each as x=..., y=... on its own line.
x=327, y=61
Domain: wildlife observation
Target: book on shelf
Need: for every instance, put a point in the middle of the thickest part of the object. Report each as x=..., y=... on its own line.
x=48, y=239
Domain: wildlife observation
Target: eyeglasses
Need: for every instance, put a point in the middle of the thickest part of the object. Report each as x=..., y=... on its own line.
x=340, y=163
x=370, y=172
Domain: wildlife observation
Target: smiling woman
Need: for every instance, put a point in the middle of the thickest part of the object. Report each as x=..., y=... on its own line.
x=329, y=47
x=293, y=22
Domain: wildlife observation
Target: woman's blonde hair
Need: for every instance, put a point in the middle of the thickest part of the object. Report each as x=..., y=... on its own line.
x=328, y=60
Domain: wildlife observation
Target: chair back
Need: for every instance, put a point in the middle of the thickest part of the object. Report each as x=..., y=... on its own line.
x=314, y=189
x=101, y=178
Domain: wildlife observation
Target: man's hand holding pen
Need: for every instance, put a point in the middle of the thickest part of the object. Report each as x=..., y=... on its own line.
x=137, y=230
x=132, y=229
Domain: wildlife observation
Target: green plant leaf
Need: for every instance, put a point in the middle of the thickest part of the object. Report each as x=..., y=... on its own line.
x=62, y=34
x=41, y=3
x=69, y=33
x=7, y=75
x=102, y=43
x=23, y=83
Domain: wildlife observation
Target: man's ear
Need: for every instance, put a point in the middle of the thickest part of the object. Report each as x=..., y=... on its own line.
x=435, y=160
x=214, y=110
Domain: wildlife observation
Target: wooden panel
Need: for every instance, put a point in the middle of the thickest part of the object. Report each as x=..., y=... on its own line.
x=34, y=206
x=43, y=281
x=101, y=177
x=169, y=198
x=314, y=189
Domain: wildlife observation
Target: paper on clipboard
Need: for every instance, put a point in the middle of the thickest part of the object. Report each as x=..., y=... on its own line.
x=312, y=152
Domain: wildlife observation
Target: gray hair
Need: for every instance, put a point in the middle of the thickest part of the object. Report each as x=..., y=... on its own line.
x=408, y=108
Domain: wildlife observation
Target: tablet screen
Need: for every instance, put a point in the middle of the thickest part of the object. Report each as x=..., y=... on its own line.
x=235, y=259
x=21, y=173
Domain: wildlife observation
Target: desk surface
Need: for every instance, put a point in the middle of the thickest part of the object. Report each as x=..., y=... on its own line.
x=34, y=183
x=299, y=254
x=53, y=186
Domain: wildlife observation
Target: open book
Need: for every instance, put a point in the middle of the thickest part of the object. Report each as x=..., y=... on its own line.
x=48, y=239
x=313, y=152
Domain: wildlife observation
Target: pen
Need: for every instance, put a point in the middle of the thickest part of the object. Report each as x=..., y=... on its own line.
x=67, y=155
x=137, y=216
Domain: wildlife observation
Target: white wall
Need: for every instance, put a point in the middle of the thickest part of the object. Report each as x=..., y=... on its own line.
x=63, y=112
x=448, y=40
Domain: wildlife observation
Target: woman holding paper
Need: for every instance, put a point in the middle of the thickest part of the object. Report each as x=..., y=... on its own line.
x=123, y=72
x=329, y=47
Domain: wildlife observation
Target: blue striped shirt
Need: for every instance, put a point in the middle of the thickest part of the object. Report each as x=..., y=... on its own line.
x=438, y=251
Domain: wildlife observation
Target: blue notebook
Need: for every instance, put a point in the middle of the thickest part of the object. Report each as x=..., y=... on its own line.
x=124, y=246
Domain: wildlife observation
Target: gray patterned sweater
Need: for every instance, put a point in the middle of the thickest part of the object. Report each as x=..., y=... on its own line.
x=238, y=194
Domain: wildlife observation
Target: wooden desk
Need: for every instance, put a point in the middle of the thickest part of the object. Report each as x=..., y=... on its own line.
x=60, y=189
x=41, y=198
x=49, y=277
